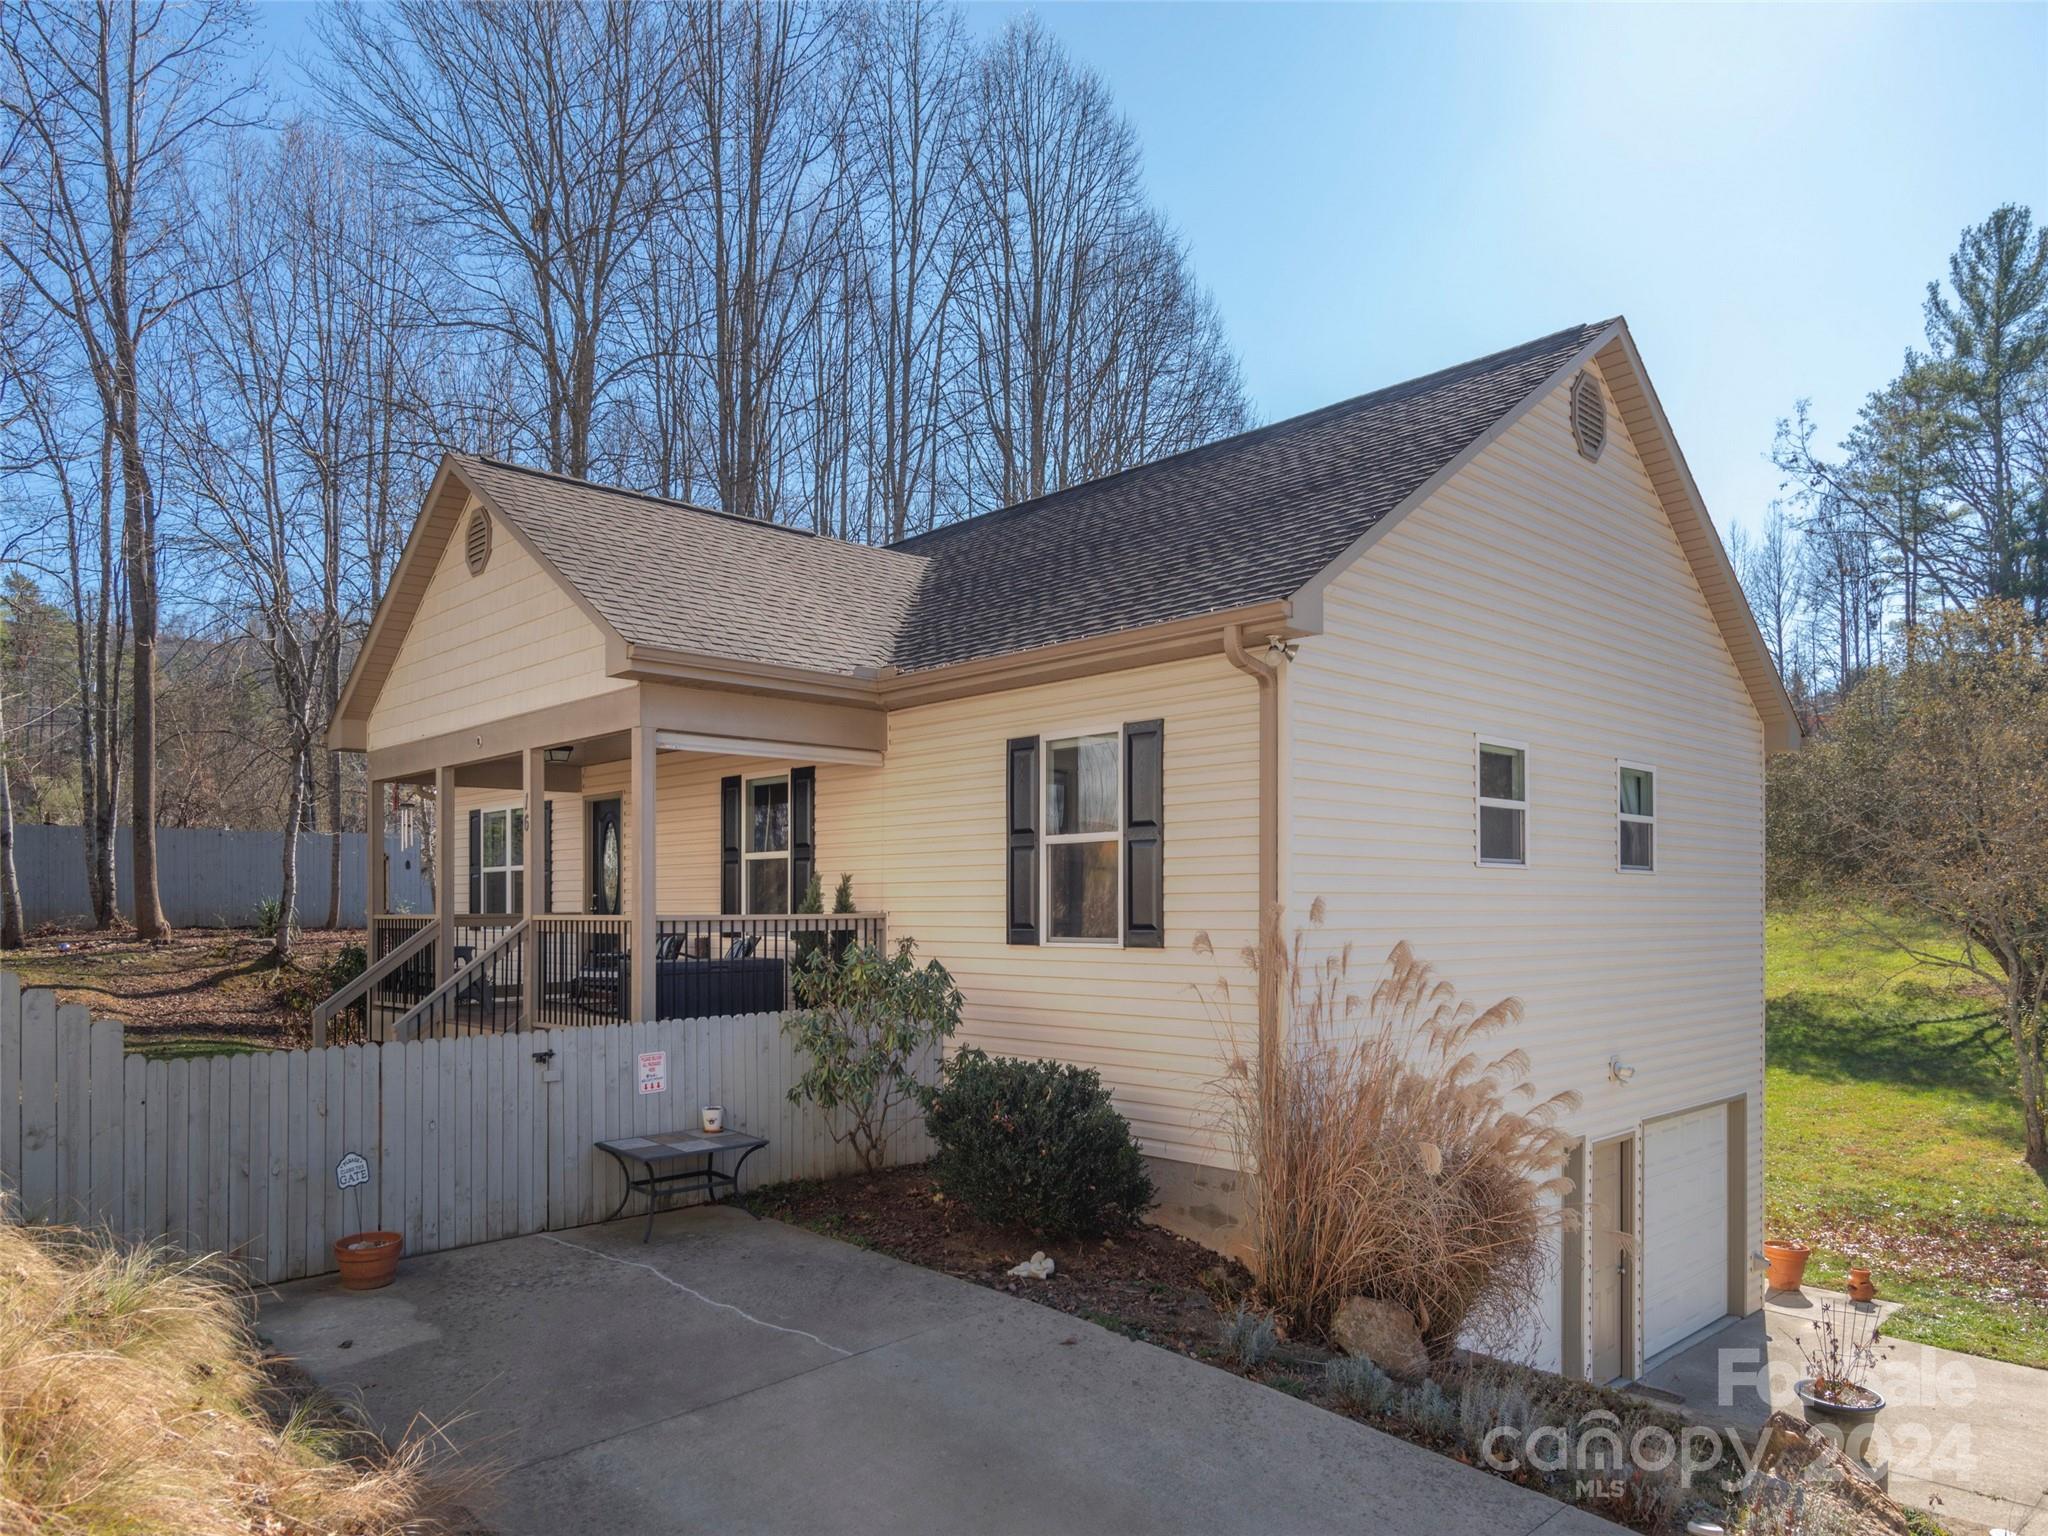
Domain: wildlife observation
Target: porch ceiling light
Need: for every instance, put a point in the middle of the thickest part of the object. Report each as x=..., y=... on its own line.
x=560, y=754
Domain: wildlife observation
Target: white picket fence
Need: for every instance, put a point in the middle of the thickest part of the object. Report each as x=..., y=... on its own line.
x=467, y=1140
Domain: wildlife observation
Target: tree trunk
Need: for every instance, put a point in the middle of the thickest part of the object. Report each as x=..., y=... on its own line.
x=288, y=887
x=138, y=539
x=10, y=887
x=2029, y=1027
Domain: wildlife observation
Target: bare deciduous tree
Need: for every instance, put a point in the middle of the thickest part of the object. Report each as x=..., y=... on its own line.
x=1092, y=349
x=103, y=108
x=545, y=133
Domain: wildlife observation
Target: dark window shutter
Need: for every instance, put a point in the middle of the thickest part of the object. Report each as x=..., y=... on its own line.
x=1022, y=872
x=476, y=861
x=1144, y=834
x=729, y=844
x=803, y=832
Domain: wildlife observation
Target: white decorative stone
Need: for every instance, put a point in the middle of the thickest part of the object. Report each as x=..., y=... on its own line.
x=1037, y=1267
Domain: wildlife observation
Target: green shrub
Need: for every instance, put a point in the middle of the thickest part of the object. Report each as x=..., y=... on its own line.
x=1035, y=1144
x=869, y=1021
x=349, y=962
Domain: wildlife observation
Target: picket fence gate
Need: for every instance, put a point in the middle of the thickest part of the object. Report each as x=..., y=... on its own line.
x=466, y=1140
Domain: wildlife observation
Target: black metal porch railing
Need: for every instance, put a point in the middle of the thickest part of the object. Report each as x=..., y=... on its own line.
x=586, y=969
x=712, y=965
x=483, y=996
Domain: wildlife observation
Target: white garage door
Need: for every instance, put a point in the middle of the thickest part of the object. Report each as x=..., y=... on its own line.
x=1685, y=1226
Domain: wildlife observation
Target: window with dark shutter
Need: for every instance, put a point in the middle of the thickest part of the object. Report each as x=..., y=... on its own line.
x=1021, y=812
x=476, y=861
x=729, y=844
x=1145, y=834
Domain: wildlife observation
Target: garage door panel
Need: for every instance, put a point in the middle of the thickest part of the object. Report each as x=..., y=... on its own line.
x=1685, y=1226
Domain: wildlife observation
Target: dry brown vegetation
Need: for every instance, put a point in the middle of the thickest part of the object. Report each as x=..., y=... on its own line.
x=200, y=989
x=1392, y=1153
x=133, y=1399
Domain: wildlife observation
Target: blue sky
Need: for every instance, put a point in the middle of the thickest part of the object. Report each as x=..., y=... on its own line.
x=1375, y=191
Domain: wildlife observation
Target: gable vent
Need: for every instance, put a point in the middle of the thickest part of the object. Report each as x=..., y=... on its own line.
x=1589, y=415
x=476, y=541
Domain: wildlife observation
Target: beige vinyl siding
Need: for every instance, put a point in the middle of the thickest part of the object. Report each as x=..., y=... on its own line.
x=1543, y=600
x=486, y=647
x=923, y=839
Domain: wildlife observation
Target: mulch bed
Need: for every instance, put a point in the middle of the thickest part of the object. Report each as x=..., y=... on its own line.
x=1147, y=1282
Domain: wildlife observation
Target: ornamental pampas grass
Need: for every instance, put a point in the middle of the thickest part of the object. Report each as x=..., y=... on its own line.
x=1391, y=1150
x=133, y=1399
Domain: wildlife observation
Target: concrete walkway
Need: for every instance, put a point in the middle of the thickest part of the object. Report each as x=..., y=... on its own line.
x=742, y=1376
x=1967, y=1438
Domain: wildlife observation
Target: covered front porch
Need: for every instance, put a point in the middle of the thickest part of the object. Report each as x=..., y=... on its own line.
x=612, y=865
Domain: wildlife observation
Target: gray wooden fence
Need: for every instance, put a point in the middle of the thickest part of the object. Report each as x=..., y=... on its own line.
x=211, y=879
x=467, y=1139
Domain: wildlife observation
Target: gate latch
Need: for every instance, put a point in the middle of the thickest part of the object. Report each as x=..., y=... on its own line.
x=544, y=1057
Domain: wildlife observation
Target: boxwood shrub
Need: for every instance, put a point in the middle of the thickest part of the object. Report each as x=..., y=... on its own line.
x=1035, y=1144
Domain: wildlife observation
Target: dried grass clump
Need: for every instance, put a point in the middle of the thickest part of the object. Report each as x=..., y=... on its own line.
x=1390, y=1151
x=133, y=1399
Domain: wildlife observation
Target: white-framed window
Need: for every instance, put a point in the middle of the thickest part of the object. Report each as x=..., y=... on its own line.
x=1636, y=828
x=502, y=859
x=1081, y=782
x=1503, y=791
x=765, y=854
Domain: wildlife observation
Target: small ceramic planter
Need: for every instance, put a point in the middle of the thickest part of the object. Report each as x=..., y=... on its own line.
x=368, y=1260
x=713, y=1118
x=1852, y=1425
x=1787, y=1262
x=1861, y=1286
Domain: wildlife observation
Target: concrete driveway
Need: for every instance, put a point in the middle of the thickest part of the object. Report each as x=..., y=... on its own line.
x=1967, y=1438
x=743, y=1376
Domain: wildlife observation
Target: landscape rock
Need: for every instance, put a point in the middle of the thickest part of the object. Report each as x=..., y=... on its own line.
x=1382, y=1332
x=1793, y=1457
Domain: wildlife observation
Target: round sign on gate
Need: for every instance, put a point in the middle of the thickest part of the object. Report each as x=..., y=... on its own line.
x=351, y=1171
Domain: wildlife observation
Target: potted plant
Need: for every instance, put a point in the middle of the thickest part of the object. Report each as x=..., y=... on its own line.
x=1787, y=1259
x=368, y=1259
x=1840, y=1351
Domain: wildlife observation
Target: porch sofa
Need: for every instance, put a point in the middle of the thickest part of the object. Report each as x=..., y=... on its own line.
x=689, y=987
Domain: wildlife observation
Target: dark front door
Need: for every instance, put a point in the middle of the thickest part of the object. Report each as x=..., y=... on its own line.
x=607, y=858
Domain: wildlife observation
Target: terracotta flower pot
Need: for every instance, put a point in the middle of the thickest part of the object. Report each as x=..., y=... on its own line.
x=1787, y=1263
x=1861, y=1287
x=368, y=1259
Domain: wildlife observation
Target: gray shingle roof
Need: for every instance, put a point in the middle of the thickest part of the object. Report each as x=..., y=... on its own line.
x=664, y=573
x=1247, y=520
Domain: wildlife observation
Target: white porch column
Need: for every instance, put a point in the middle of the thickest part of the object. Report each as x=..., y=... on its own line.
x=376, y=890
x=536, y=761
x=444, y=873
x=640, y=871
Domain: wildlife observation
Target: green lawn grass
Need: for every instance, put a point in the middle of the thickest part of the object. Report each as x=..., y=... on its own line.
x=1893, y=1136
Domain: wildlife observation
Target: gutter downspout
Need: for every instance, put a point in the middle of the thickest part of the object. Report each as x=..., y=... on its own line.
x=1268, y=940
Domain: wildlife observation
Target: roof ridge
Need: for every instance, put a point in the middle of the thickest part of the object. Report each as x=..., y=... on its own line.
x=1271, y=428
x=667, y=501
